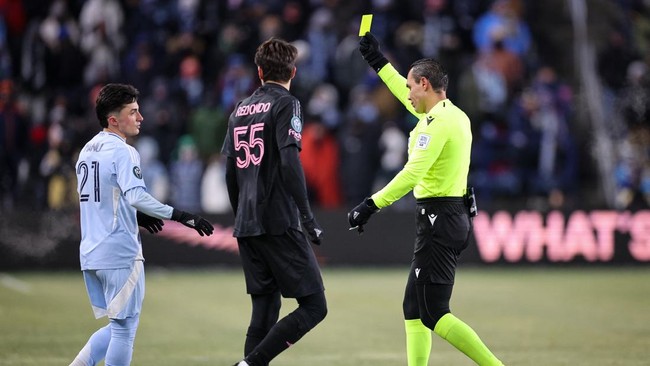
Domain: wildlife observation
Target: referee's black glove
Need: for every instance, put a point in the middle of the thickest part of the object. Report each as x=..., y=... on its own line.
x=152, y=224
x=360, y=215
x=198, y=223
x=369, y=48
x=314, y=231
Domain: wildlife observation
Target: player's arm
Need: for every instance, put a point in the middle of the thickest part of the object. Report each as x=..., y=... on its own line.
x=396, y=83
x=126, y=161
x=151, y=211
x=288, y=124
x=139, y=198
x=293, y=179
x=231, y=183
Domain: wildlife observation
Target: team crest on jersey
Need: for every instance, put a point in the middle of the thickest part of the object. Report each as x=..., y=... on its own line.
x=422, y=141
x=296, y=123
x=137, y=172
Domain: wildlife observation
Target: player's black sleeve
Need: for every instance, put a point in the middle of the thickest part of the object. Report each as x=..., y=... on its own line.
x=293, y=178
x=231, y=183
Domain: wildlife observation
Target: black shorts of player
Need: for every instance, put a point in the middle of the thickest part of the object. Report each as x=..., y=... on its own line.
x=443, y=229
x=284, y=263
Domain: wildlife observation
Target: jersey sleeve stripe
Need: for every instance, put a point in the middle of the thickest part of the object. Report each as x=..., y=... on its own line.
x=134, y=154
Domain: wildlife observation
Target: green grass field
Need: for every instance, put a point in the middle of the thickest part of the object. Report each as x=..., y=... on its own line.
x=539, y=316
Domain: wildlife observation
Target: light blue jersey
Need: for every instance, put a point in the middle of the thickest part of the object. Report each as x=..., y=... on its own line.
x=107, y=168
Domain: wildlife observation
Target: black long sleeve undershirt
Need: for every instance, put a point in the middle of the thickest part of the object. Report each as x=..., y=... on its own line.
x=293, y=178
x=231, y=183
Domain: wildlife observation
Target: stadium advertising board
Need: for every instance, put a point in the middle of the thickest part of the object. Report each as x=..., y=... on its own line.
x=530, y=236
x=523, y=237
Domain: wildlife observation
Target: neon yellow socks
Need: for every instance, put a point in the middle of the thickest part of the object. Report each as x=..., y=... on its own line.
x=418, y=342
x=463, y=337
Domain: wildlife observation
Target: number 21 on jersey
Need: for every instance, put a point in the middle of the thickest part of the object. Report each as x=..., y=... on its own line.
x=83, y=174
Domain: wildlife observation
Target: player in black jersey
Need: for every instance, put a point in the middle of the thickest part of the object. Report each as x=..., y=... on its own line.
x=267, y=191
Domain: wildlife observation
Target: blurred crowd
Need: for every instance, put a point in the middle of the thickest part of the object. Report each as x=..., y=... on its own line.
x=510, y=64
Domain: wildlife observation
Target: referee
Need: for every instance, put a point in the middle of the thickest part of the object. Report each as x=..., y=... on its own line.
x=436, y=170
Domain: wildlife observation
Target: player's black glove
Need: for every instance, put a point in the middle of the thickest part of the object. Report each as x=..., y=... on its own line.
x=369, y=48
x=360, y=215
x=152, y=224
x=198, y=223
x=314, y=231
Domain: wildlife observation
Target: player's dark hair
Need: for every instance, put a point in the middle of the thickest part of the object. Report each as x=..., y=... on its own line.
x=112, y=98
x=433, y=71
x=276, y=57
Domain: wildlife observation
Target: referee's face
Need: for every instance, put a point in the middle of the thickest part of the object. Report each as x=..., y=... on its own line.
x=127, y=121
x=416, y=92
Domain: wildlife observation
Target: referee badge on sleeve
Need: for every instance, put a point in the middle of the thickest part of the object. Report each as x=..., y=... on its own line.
x=422, y=141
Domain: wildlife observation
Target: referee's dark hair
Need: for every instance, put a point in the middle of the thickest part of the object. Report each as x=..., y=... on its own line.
x=111, y=98
x=276, y=57
x=433, y=71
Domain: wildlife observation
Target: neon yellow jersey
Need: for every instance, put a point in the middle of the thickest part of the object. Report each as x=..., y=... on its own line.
x=438, y=150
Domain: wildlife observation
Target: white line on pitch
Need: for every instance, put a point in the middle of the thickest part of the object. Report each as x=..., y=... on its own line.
x=15, y=284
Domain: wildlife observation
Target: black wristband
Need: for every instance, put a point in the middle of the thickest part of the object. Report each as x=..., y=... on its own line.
x=371, y=203
x=176, y=214
x=377, y=61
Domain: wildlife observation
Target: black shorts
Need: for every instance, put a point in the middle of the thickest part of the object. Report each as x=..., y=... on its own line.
x=443, y=228
x=284, y=263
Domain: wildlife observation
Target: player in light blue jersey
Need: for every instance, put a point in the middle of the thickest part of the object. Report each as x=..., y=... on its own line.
x=113, y=201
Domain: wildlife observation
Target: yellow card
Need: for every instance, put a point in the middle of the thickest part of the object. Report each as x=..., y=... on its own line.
x=366, y=21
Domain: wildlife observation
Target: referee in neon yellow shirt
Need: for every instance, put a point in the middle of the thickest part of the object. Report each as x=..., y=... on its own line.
x=437, y=167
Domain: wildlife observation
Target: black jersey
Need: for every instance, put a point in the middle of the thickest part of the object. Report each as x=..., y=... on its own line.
x=262, y=124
